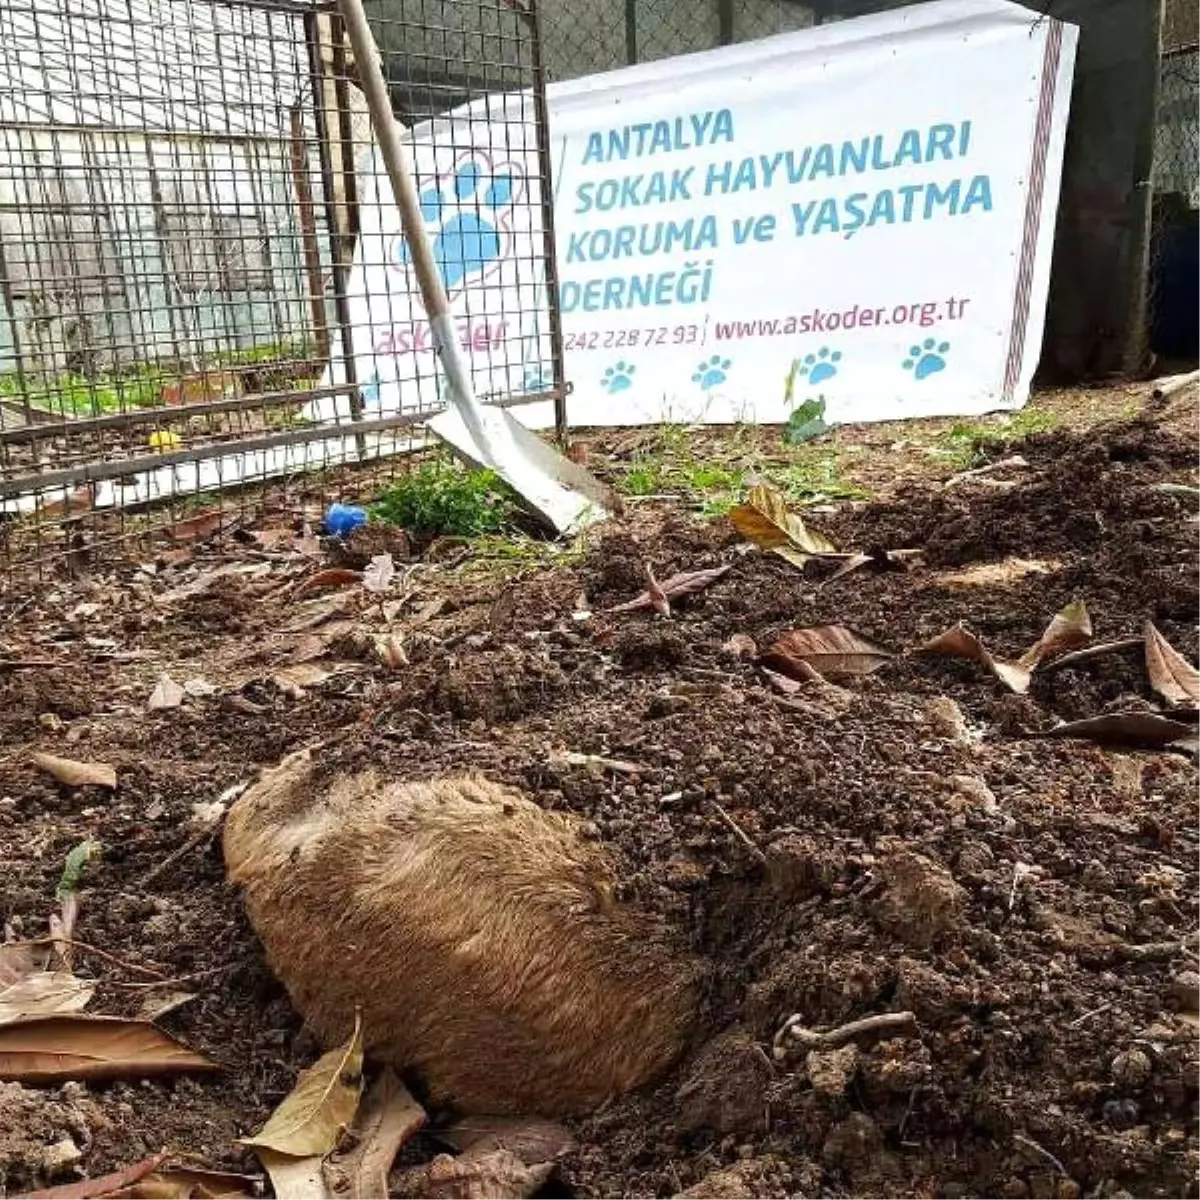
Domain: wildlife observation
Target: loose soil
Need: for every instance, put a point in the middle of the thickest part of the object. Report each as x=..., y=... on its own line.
x=917, y=844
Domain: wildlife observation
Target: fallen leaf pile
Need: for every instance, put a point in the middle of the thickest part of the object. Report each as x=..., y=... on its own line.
x=322, y=1143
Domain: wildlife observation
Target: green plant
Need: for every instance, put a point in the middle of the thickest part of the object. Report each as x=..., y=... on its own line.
x=814, y=476
x=964, y=444
x=441, y=498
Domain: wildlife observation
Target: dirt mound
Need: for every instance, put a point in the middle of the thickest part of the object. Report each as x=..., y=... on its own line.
x=899, y=843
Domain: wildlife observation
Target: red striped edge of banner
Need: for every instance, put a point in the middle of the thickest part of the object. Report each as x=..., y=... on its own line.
x=1033, y=207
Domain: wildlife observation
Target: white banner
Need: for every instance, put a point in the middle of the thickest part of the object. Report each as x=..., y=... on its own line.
x=867, y=207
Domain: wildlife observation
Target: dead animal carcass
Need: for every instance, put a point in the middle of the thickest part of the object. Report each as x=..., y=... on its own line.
x=476, y=932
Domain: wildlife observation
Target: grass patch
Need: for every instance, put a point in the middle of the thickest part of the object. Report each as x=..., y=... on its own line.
x=74, y=395
x=442, y=499
x=670, y=465
x=141, y=386
x=965, y=444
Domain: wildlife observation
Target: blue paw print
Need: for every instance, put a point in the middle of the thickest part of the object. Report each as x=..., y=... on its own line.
x=618, y=377
x=468, y=236
x=926, y=359
x=712, y=371
x=537, y=379
x=370, y=390
x=821, y=366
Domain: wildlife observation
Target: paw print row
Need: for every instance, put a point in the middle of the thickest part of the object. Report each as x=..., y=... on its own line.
x=925, y=359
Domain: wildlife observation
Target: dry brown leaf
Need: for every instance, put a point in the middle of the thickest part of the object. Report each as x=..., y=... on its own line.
x=76, y=774
x=683, y=584
x=531, y=1139
x=293, y=680
x=198, y=528
x=158, y=1004
x=960, y=642
x=58, y=1048
x=103, y=1185
x=379, y=573
x=319, y=1107
x=659, y=600
x=327, y=580
x=295, y=1178
x=885, y=559
x=765, y=520
x=167, y=694
x=1129, y=728
x=1171, y=675
x=1068, y=630
x=389, y=1116
x=1098, y=651
x=207, y=1185
x=1008, y=570
x=827, y=650
x=42, y=993
x=785, y=685
x=390, y=651
x=18, y=959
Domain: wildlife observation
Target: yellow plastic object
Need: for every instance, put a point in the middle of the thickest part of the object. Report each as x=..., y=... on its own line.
x=165, y=439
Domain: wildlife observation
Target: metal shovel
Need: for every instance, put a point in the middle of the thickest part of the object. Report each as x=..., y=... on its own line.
x=558, y=490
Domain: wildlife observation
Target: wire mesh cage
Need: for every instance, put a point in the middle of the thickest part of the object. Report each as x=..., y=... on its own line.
x=202, y=284
x=1174, y=313
x=601, y=36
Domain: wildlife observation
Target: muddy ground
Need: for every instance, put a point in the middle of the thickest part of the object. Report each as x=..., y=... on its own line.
x=915, y=843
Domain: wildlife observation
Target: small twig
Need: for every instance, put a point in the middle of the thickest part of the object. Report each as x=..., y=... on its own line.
x=575, y=759
x=810, y=1039
x=1176, y=489
x=1078, y=656
x=1148, y=951
x=1026, y=1141
x=89, y=949
x=1093, y=1012
x=172, y=858
x=744, y=837
x=162, y=983
x=1014, y=461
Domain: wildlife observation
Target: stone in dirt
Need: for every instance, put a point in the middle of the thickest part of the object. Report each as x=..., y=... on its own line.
x=830, y=1071
x=921, y=899
x=725, y=1089
x=40, y=1137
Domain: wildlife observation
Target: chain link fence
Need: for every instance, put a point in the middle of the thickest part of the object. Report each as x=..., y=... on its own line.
x=1174, y=312
x=581, y=37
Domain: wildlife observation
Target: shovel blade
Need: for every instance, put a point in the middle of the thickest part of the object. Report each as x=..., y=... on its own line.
x=560, y=492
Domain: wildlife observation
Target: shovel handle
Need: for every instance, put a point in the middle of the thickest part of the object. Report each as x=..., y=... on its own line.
x=395, y=158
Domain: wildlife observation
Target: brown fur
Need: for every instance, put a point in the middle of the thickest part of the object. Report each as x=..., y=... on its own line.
x=476, y=931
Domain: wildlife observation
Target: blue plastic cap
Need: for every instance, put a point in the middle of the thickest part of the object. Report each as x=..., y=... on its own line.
x=343, y=519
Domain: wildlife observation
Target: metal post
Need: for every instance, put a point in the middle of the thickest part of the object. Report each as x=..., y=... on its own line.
x=341, y=302
x=725, y=22
x=546, y=184
x=631, y=45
